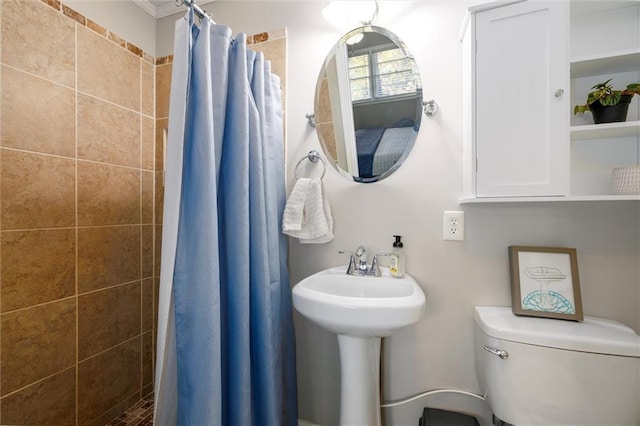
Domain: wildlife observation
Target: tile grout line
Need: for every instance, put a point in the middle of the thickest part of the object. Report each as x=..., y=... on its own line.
x=66, y=228
x=0, y=215
x=1, y=64
x=154, y=313
x=62, y=299
x=102, y=352
x=140, y=152
x=41, y=380
x=77, y=298
x=61, y=157
x=81, y=92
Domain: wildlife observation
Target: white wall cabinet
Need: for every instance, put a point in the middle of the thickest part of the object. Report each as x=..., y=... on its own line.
x=526, y=64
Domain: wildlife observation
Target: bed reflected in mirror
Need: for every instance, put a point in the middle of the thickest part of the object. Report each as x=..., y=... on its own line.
x=368, y=104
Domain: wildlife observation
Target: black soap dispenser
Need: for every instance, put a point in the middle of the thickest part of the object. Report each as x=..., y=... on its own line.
x=397, y=260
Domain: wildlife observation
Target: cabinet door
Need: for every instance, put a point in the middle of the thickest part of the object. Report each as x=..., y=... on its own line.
x=522, y=100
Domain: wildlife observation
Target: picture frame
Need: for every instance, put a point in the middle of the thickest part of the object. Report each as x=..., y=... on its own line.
x=545, y=282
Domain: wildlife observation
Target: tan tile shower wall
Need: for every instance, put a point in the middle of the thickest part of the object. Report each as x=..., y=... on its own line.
x=77, y=218
x=81, y=160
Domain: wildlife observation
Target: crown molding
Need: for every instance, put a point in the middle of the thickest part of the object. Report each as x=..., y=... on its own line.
x=146, y=6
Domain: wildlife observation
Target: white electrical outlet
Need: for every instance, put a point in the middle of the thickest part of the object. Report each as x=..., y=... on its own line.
x=453, y=226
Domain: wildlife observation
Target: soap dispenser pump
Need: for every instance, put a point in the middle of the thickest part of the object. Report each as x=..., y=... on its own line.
x=397, y=261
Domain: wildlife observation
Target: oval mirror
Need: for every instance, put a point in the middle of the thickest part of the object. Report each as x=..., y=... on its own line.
x=368, y=104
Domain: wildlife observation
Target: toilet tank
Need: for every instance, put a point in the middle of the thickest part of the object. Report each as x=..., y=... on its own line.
x=557, y=372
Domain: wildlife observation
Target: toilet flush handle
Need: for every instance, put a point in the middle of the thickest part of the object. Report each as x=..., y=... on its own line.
x=498, y=352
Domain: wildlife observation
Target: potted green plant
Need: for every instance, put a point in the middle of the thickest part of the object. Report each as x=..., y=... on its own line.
x=606, y=104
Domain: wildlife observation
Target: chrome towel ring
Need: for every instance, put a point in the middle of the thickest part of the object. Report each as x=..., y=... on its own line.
x=312, y=156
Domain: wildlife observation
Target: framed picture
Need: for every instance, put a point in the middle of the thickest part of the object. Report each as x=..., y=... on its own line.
x=545, y=283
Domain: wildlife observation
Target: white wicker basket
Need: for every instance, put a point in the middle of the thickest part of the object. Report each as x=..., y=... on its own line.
x=625, y=180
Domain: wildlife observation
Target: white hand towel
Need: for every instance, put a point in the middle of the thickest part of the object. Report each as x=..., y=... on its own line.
x=325, y=210
x=294, y=209
x=307, y=215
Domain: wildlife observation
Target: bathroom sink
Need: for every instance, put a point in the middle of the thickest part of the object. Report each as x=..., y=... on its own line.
x=360, y=310
x=360, y=306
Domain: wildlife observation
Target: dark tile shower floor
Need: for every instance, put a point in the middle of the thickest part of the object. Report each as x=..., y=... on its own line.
x=140, y=414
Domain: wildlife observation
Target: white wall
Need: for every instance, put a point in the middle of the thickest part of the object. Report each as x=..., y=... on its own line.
x=438, y=351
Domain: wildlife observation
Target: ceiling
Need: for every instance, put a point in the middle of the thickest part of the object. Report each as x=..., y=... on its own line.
x=162, y=8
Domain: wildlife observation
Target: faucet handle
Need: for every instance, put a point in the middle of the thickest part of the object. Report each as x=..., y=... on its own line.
x=352, y=261
x=361, y=254
x=375, y=267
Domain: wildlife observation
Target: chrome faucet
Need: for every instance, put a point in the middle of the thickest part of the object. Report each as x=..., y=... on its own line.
x=358, y=262
x=361, y=255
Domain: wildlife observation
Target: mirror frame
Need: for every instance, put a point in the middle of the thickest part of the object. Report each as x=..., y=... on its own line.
x=317, y=108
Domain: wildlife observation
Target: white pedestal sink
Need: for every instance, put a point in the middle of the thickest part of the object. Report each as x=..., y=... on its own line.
x=360, y=310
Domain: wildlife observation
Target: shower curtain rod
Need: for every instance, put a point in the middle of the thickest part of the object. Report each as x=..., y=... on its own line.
x=196, y=9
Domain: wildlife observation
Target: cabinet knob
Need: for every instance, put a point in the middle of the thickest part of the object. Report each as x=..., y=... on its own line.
x=558, y=93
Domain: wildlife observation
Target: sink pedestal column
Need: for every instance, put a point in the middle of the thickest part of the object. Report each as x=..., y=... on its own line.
x=359, y=380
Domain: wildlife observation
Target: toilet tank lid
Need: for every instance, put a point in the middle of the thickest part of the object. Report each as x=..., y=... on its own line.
x=594, y=335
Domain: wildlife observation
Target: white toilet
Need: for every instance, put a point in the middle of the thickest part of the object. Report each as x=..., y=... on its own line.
x=538, y=371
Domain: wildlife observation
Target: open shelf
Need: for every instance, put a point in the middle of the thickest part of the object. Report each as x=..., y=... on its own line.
x=494, y=200
x=606, y=130
x=625, y=60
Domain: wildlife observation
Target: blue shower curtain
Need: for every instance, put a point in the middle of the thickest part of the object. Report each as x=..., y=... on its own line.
x=225, y=353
